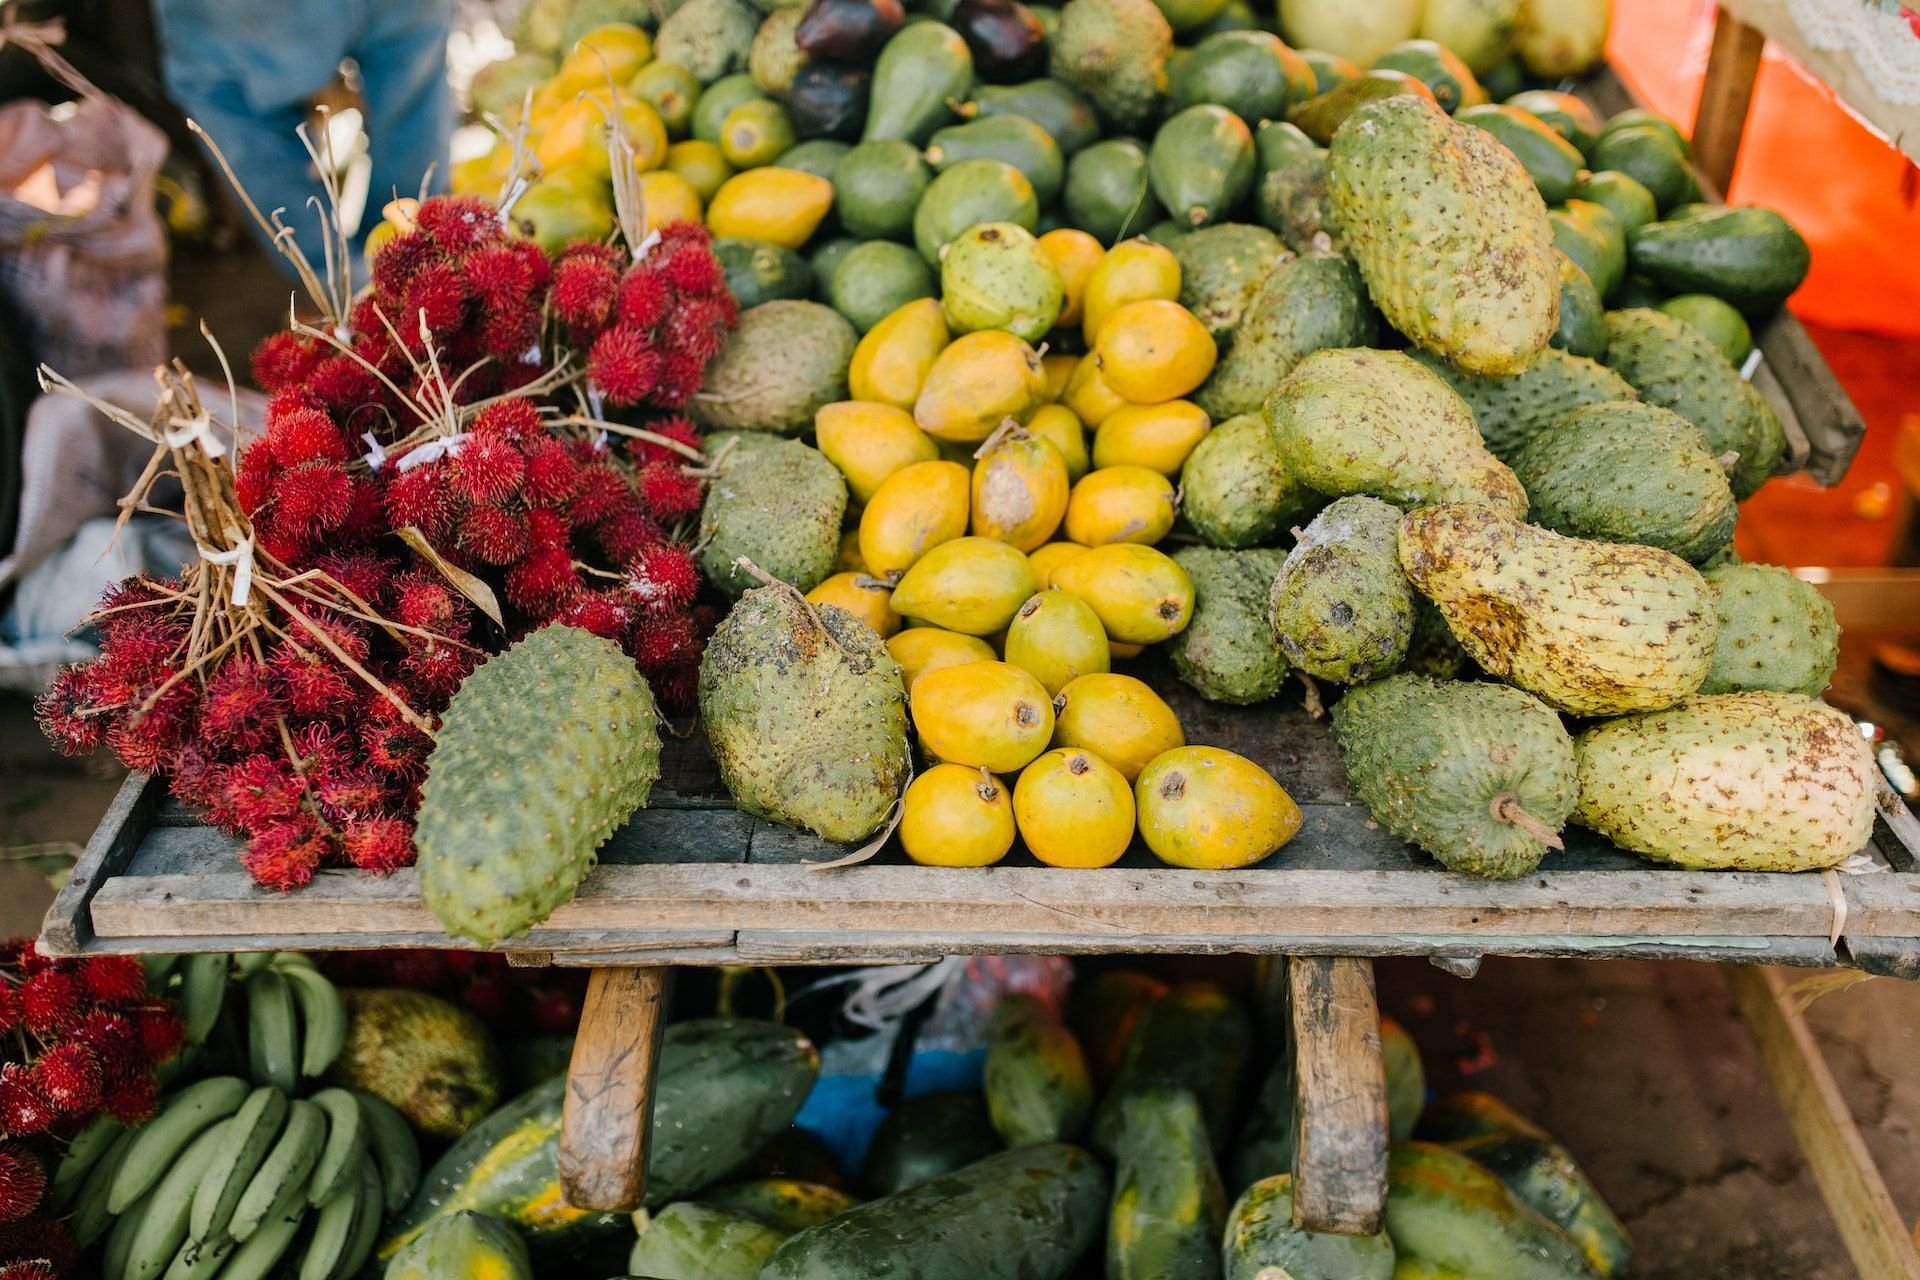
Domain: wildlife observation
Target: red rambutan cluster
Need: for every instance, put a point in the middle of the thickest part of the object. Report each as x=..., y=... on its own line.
x=649, y=331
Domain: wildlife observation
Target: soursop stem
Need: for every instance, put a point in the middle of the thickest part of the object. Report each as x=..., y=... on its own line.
x=766, y=579
x=1506, y=808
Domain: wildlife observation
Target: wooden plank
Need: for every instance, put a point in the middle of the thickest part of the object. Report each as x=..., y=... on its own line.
x=1898, y=123
x=68, y=926
x=1725, y=94
x=1856, y=1195
x=606, y=1125
x=1340, y=1096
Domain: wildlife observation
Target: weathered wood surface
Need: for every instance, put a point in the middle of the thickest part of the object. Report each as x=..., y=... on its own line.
x=1725, y=93
x=1340, y=1096
x=606, y=1126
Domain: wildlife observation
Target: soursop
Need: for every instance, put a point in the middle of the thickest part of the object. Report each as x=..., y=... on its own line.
x=1376, y=422
x=806, y=714
x=1432, y=650
x=1449, y=232
x=1292, y=201
x=1228, y=652
x=1776, y=632
x=710, y=38
x=1115, y=53
x=779, y=506
x=432, y=1060
x=783, y=360
x=1592, y=628
x=1221, y=268
x=1481, y=776
x=543, y=752
x=1340, y=607
x=1758, y=781
x=1510, y=410
x=1629, y=472
x=1236, y=491
x=1300, y=306
x=1674, y=365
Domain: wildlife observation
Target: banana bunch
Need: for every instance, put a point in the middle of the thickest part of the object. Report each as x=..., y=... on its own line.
x=295, y=1022
x=224, y=1179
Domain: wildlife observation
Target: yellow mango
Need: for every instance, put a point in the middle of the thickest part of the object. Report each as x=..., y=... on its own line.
x=1045, y=559
x=1056, y=638
x=1118, y=718
x=1154, y=351
x=1132, y=271
x=781, y=206
x=1122, y=651
x=1088, y=394
x=1074, y=809
x=985, y=715
x=669, y=198
x=1120, y=504
x=919, y=650
x=1019, y=488
x=1056, y=424
x=609, y=54
x=864, y=597
x=953, y=816
x=970, y=585
x=1058, y=369
x=980, y=379
x=913, y=511
x=1208, y=809
x=1141, y=595
x=577, y=135
x=869, y=441
x=849, y=560
x=1159, y=436
x=1075, y=254
x=892, y=360
x=701, y=164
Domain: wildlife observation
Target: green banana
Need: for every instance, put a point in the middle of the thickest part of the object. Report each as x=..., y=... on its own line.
x=159, y=969
x=254, y=1127
x=163, y=1227
x=90, y=1213
x=256, y=1256
x=113, y=1259
x=346, y=1143
x=87, y=1149
x=332, y=1232
x=203, y=989
x=323, y=1014
x=158, y=1142
x=366, y=1222
x=197, y=1260
x=252, y=962
x=394, y=1150
x=273, y=1037
x=283, y=1175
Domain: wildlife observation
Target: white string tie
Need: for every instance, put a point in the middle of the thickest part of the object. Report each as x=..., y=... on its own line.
x=240, y=560
x=431, y=451
x=197, y=428
x=376, y=455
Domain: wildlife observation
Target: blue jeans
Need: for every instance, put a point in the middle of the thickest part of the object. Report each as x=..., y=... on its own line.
x=246, y=70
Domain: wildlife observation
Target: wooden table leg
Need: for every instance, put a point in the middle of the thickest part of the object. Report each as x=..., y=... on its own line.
x=607, y=1124
x=1724, y=97
x=1856, y=1195
x=1340, y=1099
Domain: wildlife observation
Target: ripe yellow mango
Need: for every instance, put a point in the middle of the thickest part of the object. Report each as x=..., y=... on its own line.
x=1075, y=254
x=914, y=510
x=864, y=597
x=1118, y=718
x=953, y=816
x=1057, y=639
x=985, y=715
x=1153, y=351
x=1057, y=425
x=1208, y=809
x=979, y=380
x=702, y=164
x=669, y=198
x=1120, y=504
x=1074, y=809
x=892, y=360
x=1045, y=559
x=919, y=650
x=869, y=441
x=1058, y=369
x=1019, y=488
x=1157, y=436
x=781, y=206
x=1088, y=394
x=1141, y=595
x=1132, y=271
x=970, y=585
x=576, y=136
x=609, y=54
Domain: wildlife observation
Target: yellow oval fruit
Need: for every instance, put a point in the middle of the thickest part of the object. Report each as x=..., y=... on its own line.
x=1120, y=504
x=1045, y=559
x=986, y=715
x=701, y=164
x=849, y=560
x=1141, y=595
x=914, y=510
x=1159, y=436
x=1208, y=809
x=669, y=198
x=970, y=585
x=1118, y=718
x=869, y=441
x=1154, y=351
x=1074, y=809
x=919, y=650
x=1057, y=638
x=577, y=135
x=1019, y=488
x=1088, y=394
x=892, y=360
x=864, y=597
x=606, y=54
x=953, y=816
x=1075, y=254
x=782, y=206
x=1058, y=369
x=980, y=379
x=1056, y=424
x=1122, y=650
x=1132, y=271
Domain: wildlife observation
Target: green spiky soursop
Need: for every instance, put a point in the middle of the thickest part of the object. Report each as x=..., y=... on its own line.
x=779, y=505
x=1481, y=776
x=1114, y=52
x=431, y=1059
x=781, y=363
x=1510, y=410
x=1776, y=632
x=1340, y=607
x=1221, y=268
x=1228, y=652
x=1629, y=472
x=1302, y=305
x=1732, y=781
x=1236, y=491
x=1674, y=365
x=1375, y=422
x=709, y=37
x=806, y=714
x=544, y=751
x=1449, y=232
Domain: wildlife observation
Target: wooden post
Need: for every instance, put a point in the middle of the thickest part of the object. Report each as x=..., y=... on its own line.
x=1340, y=1100
x=1725, y=94
x=607, y=1124
x=1870, y=1226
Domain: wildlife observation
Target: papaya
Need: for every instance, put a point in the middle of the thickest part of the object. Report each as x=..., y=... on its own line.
x=1545, y=1176
x=1103, y=1013
x=1458, y=1117
x=785, y=1204
x=1445, y=1210
x=1550, y=160
x=461, y=1244
x=1196, y=1035
x=1262, y=1243
x=1168, y=1205
x=1036, y=1080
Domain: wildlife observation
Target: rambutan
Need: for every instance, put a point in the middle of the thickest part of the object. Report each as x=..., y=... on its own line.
x=624, y=365
x=284, y=359
x=543, y=581
x=241, y=704
x=63, y=712
x=50, y=1002
x=625, y=534
x=393, y=268
x=437, y=297
x=37, y=1248
x=105, y=1031
x=303, y=435
x=488, y=999
x=24, y=1110
x=113, y=978
x=512, y=419
x=678, y=378
x=698, y=327
x=23, y=1180
x=9, y=1008
x=424, y=602
x=602, y=613
x=253, y=477
x=675, y=428
x=690, y=267
x=420, y=498
x=508, y=332
x=380, y=844
x=552, y=476
x=68, y=1076
x=437, y=670
x=343, y=387
x=665, y=641
x=678, y=689
x=345, y=793
x=312, y=685
x=488, y=468
x=396, y=749
x=262, y=789
x=668, y=491
x=602, y=492
x=583, y=291
x=493, y=535
x=643, y=298
x=663, y=577
x=129, y=1098
x=160, y=1030
x=498, y=275
x=457, y=223
x=313, y=498
x=285, y=855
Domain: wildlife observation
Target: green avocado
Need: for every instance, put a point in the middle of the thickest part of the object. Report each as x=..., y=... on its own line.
x=923, y=69
x=1549, y=159
x=1015, y=139
x=1066, y=116
x=1751, y=257
x=877, y=186
x=967, y=194
x=1202, y=164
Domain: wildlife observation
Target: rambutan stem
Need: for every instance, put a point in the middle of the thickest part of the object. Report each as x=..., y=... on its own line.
x=686, y=451
x=345, y=659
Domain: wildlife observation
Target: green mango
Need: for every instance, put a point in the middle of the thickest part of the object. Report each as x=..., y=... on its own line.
x=875, y=279
x=1649, y=154
x=1066, y=116
x=877, y=186
x=1614, y=239
x=820, y=157
x=1108, y=193
x=1277, y=144
x=1330, y=70
x=967, y=194
x=1015, y=139
x=1549, y=159
x=1202, y=164
x=1251, y=73
x=1582, y=330
x=1563, y=113
x=1751, y=257
x=1631, y=204
x=923, y=69
x=1439, y=68
x=824, y=260
x=1635, y=116
x=1583, y=242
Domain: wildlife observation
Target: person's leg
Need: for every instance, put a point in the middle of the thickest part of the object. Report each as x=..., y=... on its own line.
x=402, y=52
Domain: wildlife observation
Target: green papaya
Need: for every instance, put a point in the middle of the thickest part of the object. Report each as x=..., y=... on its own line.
x=1613, y=238
x=923, y=69
x=1445, y=1210
x=1036, y=1081
x=1330, y=70
x=1262, y=1243
x=1202, y=164
x=785, y=1204
x=1564, y=113
x=462, y=1244
x=1545, y=1176
x=1406, y=1079
x=1104, y=1011
x=1750, y=257
x=925, y=1137
x=1458, y=1117
x=1196, y=1036
x=1168, y=1205
x=1585, y=244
